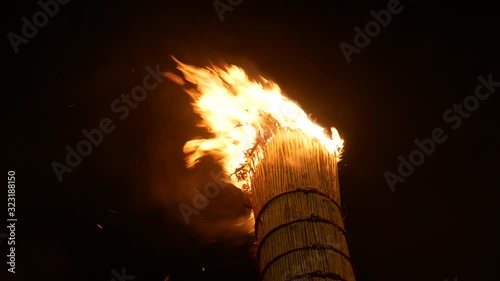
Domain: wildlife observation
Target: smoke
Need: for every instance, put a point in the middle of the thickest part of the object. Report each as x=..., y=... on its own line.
x=213, y=218
x=236, y=231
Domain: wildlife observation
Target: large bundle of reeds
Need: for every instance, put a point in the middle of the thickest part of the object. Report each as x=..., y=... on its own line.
x=296, y=202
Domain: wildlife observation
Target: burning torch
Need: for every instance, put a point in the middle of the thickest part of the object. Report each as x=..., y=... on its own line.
x=283, y=161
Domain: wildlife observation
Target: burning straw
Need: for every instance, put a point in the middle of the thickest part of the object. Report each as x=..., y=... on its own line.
x=297, y=173
x=286, y=164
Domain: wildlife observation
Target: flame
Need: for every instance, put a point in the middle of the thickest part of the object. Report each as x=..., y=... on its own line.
x=240, y=114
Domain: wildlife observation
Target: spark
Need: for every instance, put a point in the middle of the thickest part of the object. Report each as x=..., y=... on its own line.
x=3, y=235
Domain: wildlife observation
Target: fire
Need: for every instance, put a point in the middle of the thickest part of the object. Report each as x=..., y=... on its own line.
x=240, y=114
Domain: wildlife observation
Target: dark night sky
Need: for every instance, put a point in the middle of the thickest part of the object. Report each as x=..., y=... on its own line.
x=440, y=223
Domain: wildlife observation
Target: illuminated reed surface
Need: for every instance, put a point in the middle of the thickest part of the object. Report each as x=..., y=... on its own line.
x=295, y=196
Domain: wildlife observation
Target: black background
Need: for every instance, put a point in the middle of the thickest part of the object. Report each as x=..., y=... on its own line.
x=440, y=223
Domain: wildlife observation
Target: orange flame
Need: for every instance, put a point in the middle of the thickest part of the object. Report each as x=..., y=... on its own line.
x=241, y=113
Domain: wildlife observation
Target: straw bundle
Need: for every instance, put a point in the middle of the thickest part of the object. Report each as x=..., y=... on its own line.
x=296, y=202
